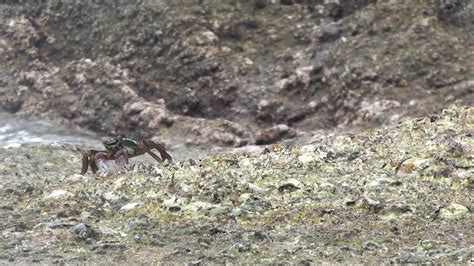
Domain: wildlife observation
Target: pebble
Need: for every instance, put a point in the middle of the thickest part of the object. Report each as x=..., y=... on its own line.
x=130, y=206
x=453, y=211
x=56, y=194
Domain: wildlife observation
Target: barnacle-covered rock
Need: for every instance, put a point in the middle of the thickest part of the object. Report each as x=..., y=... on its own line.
x=453, y=211
x=354, y=195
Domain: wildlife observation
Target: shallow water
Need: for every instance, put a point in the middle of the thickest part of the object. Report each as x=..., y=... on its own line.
x=15, y=131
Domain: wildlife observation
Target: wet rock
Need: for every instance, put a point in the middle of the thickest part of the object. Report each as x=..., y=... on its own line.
x=261, y=4
x=378, y=110
x=339, y=9
x=329, y=32
x=455, y=12
x=83, y=232
x=290, y=186
x=287, y=2
x=274, y=134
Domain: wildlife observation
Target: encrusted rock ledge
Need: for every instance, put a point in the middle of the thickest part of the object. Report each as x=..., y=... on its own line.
x=396, y=194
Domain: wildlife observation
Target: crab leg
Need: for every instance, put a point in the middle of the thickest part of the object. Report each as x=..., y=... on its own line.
x=155, y=156
x=85, y=163
x=150, y=144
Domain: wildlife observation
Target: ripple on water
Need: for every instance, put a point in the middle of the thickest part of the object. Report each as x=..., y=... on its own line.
x=15, y=131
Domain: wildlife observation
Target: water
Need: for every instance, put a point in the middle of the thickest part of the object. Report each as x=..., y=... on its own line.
x=15, y=131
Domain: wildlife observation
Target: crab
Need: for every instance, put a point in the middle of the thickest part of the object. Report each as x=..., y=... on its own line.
x=120, y=149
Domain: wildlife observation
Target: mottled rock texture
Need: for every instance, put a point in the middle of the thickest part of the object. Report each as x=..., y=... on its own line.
x=399, y=194
x=217, y=72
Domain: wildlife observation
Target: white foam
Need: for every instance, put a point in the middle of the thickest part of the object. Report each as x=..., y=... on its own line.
x=5, y=128
x=16, y=131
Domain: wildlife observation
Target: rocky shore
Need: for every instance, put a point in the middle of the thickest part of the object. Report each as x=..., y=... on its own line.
x=232, y=73
x=303, y=132
x=397, y=194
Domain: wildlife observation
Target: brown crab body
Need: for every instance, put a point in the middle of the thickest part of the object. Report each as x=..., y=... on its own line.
x=96, y=158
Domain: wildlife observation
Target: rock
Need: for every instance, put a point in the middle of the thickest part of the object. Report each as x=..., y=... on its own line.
x=56, y=224
x=219, y=210
x=236, y=212
x=307, y=158
x=85, y=215
x=102, y=248
x=244, y=197
x=249, y=149
x=77, y=178
x=57, y=194
x=273, y=134
x=130, y=206
x=372, y=204
x=308, y=154
x=261, y=4
x=84, y=231
x=379, y=181
x=140, y=222
x=209, y=71
x=453, y=211
x=207, y=37
x=412, y=165
x=196, y=206
x=290, y=185
x=112, y=198
x=329, y=32
x=456, y=12
x=104, y=230
x=287, y=2
x=253, y=188
x=173, y=204
x=376, y=110
x=371, y=246
x=308, y=148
